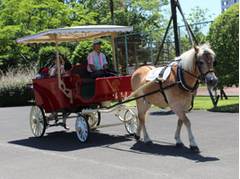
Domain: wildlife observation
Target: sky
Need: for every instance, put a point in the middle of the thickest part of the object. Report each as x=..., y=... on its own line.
x=214, y=6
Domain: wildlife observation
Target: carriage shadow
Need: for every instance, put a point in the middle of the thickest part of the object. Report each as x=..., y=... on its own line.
x=67, y=141
x=170, y=150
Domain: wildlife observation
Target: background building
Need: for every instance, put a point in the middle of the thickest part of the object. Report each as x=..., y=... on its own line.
x=227, y=3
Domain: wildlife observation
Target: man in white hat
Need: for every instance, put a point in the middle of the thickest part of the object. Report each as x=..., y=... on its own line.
x=97, y=61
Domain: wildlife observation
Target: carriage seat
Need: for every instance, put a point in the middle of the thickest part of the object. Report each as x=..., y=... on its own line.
x=87, y=89
x=81, y=70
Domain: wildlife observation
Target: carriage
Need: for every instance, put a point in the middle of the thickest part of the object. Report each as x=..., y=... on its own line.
x=75, y=94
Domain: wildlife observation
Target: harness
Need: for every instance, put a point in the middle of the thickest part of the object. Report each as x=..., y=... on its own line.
x=180, y=81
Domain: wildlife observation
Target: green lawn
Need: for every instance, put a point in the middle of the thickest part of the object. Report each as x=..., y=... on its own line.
x=205, y=103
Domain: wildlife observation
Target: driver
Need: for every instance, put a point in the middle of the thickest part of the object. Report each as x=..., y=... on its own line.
x=97, y=62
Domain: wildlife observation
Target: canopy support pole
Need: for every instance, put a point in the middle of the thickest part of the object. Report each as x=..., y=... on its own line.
x=58, y=66
x=61, y=85
x=114, y=52
x=126, y=53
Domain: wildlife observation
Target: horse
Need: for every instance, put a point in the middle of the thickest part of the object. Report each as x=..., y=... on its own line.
x=176, y=91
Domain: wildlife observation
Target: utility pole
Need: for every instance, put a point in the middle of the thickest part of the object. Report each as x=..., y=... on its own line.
x=175, y=26
x=112, y=11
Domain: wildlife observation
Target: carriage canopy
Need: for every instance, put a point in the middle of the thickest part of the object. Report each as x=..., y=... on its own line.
x=76, y=33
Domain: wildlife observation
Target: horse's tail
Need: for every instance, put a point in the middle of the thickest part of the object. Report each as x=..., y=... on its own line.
x=139, y=89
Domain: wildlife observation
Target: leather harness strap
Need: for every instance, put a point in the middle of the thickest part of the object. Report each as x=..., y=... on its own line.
x=182, y=83
x=162, y=90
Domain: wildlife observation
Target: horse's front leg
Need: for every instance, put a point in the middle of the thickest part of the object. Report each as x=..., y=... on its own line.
x=179, y=142
x=193, y=144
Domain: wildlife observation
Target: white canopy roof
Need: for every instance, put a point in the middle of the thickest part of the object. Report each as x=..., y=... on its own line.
x=74, y=33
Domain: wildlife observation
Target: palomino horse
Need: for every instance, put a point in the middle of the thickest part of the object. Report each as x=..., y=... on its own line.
x=176, y=91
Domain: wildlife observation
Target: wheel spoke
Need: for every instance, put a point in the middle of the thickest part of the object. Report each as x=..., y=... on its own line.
x=37, y=121
x=82, y=128
x=131, y=122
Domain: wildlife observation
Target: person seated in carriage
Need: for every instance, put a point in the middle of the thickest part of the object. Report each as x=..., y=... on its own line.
x=65, y=66
x=97, y=62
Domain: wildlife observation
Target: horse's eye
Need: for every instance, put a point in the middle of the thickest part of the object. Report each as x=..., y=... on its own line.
x=200, y=62
x=214, y=63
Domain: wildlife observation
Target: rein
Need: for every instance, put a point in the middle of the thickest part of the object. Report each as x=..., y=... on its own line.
x=180, y=81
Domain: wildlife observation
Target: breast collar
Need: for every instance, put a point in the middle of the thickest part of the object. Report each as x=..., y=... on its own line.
x=181, y=80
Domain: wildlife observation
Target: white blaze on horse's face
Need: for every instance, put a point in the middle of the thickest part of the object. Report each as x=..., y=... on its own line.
x=205, y=61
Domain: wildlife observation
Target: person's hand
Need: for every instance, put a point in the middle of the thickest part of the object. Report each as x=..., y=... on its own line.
x=105, y=67
x=93, y=68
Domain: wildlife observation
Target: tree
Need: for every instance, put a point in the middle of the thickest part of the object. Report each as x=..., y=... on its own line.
x=224, y=39
x=198, y=19
x=24, y=17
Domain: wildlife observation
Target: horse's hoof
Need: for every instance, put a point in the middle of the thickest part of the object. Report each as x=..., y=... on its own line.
x=136, y=137
x=195, y=149
x=148, y=142
x=179, y=145
x=66, y=127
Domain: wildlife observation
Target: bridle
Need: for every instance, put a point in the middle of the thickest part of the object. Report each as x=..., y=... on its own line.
x=201, y=77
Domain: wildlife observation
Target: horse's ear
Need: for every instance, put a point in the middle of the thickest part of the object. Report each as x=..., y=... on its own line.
x=196, y=48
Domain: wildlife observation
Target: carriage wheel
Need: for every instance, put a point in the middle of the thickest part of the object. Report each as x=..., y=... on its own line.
x=94, y=119
x=82, y=128
x=130, y=121
x=38, y=121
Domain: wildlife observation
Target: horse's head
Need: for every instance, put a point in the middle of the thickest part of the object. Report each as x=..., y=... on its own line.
x=205, y=60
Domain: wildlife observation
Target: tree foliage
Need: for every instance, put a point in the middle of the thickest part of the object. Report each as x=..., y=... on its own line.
x=47, y=55
x=19, y=18
x=24, y=17
x=224, y=39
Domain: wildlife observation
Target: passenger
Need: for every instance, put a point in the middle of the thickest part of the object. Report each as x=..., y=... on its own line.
x=53, y=68
x=42, y=73
x=97, y=62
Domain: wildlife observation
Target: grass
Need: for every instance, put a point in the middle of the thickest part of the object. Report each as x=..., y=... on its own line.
x=205, y=103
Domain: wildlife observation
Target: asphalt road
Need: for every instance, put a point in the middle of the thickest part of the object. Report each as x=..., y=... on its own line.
x=110, y=153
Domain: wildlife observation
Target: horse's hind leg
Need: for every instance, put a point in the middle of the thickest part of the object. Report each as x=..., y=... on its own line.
x=142, y=107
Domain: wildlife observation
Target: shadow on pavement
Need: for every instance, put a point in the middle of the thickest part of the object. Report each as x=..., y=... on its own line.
x=63, y=141
x=170, y=112
x=171, y=150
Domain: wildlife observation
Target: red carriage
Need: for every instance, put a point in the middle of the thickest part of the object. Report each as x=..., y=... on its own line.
x=74, y=95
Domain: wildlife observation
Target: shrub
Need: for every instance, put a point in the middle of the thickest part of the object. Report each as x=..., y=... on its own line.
x=48, y=54
x=13, y=86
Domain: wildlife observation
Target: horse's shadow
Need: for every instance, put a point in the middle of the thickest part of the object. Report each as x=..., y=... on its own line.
x=170, y=150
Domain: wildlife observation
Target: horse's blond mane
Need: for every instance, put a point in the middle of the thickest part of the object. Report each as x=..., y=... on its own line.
x=188, y=58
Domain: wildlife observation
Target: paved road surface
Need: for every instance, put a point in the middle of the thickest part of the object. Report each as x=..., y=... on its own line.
x=110, y=153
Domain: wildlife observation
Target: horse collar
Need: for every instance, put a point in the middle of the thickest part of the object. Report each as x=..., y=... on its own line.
x=181, y=80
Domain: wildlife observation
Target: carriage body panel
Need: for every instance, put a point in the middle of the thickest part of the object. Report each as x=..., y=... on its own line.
x=85, y=92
